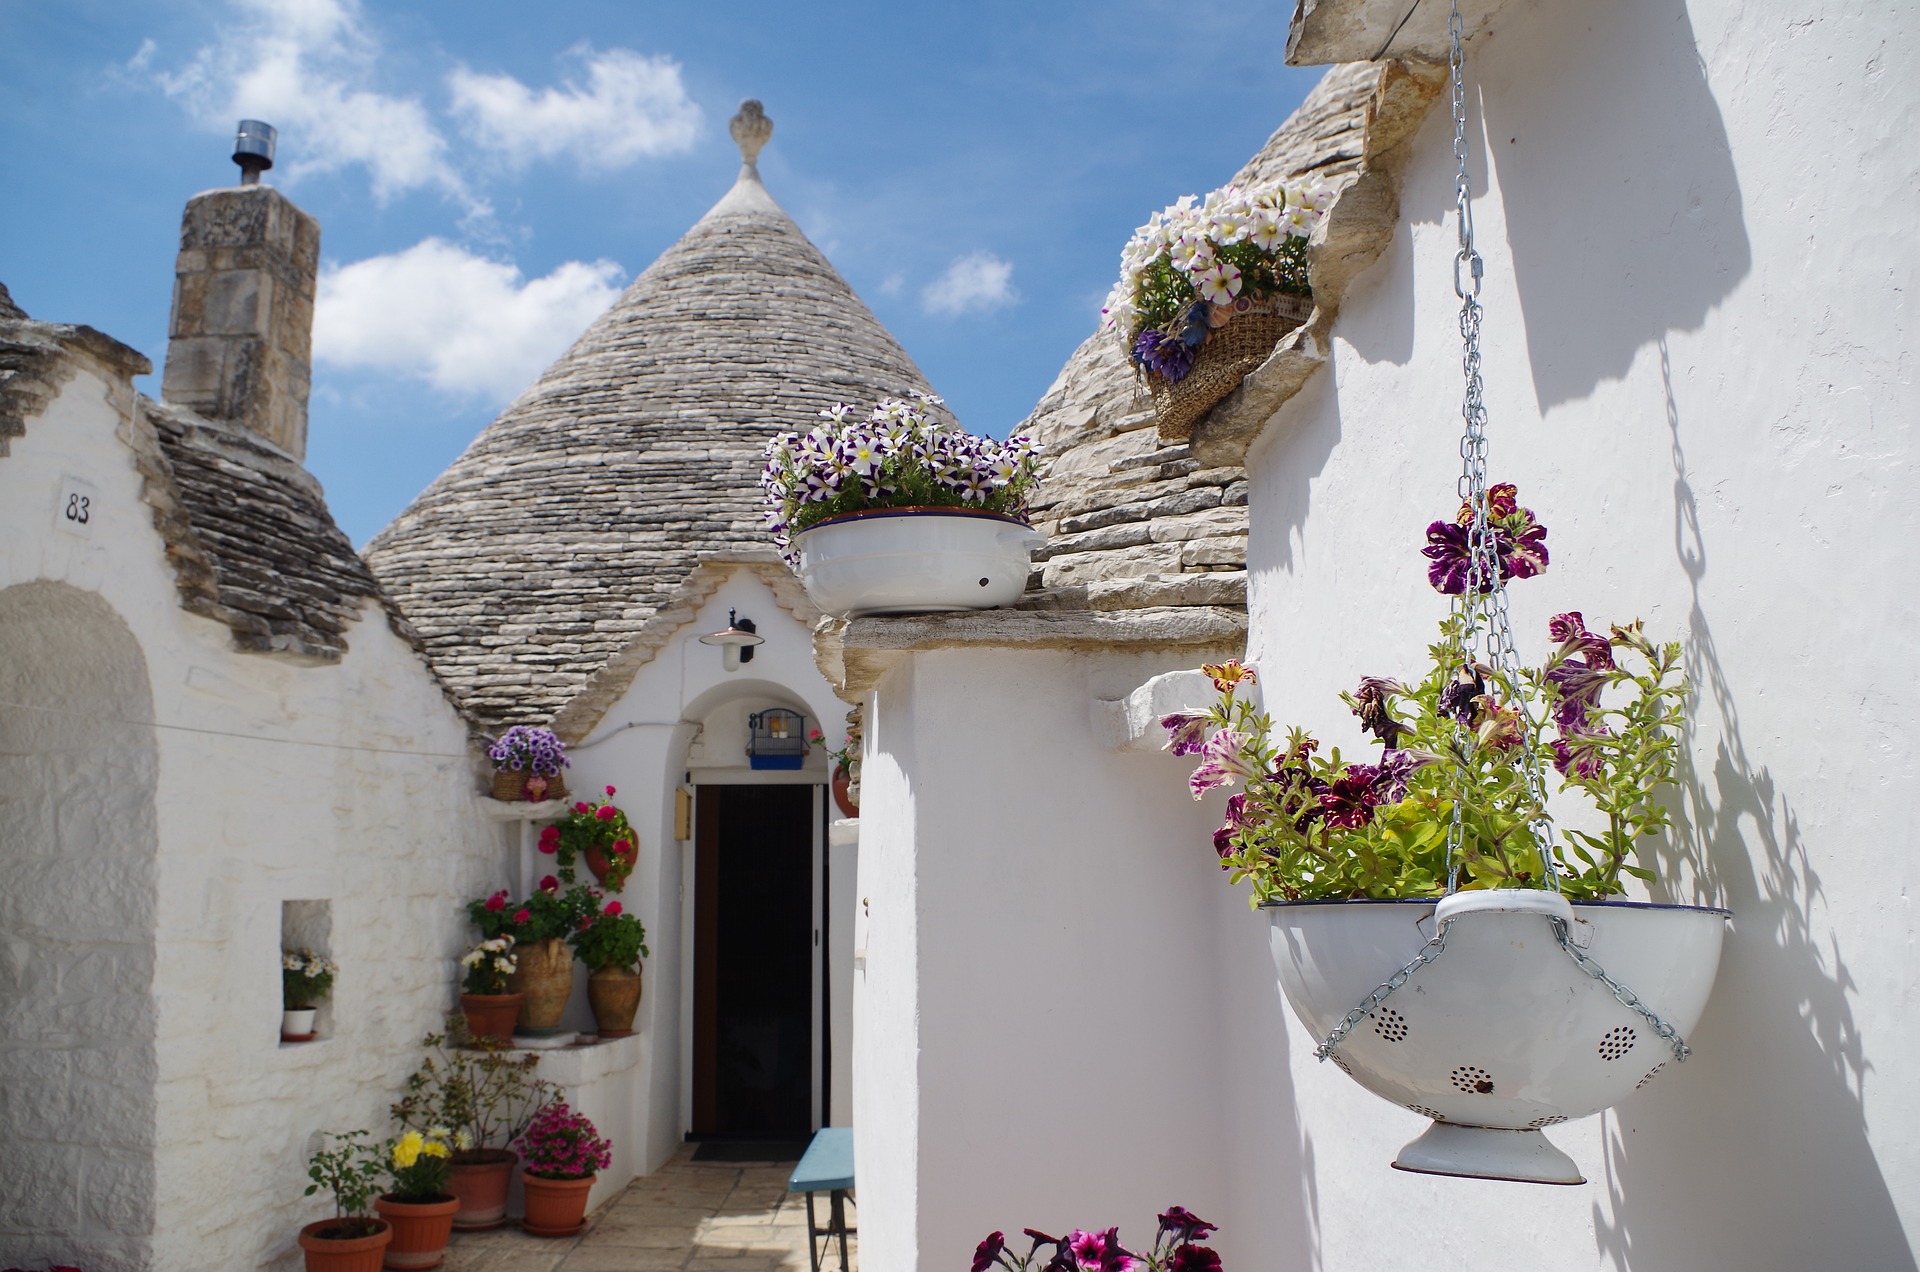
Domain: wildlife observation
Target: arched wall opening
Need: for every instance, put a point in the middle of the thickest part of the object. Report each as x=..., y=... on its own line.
x=79, y=842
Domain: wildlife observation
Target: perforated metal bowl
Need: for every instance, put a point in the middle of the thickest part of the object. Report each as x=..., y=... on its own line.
x=1503, y=1033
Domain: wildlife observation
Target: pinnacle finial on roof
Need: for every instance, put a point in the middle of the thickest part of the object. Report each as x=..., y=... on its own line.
x=750, y=129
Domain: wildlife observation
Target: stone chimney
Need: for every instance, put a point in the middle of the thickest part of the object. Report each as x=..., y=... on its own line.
x=240, y=345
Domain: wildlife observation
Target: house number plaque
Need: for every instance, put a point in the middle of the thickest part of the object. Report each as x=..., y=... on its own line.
x=77, y=507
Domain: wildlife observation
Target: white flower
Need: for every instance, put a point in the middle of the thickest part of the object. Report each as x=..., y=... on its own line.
x=1265, y=229
x=1220, y=284
x=1299, y=222
x=1228, y=226
x=472, y=958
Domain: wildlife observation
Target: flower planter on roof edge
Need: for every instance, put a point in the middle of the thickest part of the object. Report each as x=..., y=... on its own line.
x=915, y=560
x=1502, y=1034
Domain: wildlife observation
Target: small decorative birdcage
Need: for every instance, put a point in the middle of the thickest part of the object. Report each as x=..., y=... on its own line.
x=776, y=739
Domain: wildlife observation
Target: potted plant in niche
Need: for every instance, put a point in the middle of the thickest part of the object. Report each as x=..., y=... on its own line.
x=846, y=764
x=527, y=764
x=597, y=833
x=353, y=1240
x=902, y=510
x=489, y=1008
x=486, y=1097
x=543, y=964
x=611, y=944
x=1448, y=827
x=306, y=979
x=564, y=1154
x=1208, y=288
x=420, y=1205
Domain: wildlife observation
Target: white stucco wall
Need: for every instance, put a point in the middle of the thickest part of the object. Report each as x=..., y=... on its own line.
x=1699, y=367
x=1037, y=1021
x=276, y=781
x=684, y=713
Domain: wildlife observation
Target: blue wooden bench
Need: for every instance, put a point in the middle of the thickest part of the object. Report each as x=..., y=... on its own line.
x=826, y=1166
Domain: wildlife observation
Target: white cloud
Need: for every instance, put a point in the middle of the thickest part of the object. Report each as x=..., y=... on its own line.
x=625, y=107
x=464, y=323
x=304, y=66
x=975, y=283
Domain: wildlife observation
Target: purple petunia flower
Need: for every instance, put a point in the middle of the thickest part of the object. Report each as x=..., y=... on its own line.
x=1519, y=544
x=1187, y=731
x=1372, y=703
x=988, y=1251
x=1348, y=800
x=1183, y=1225
x=1460, y=700
x=1578, y=686
x=1164, y=355
x=1396, y=769
x=1570, y=631
x=1578, y=755
x=1194, y=1258
x=1223, y=762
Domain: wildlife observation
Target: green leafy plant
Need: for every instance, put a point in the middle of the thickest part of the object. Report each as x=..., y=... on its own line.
x=549, y=914
x=477, y=1094
x=351, y=1171
x=1464, y=744
x=612, y=938
x=305, y=979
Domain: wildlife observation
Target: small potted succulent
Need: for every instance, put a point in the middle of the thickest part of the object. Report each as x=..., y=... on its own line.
x=543, y=963
x=528, y=763
x=901, y=510
x=564, y=1154
x=306, y=979
x=1208, y=287
x=420, y=1205
x=611, y=944
x=490, y=1008
x=597, y=833
x=1448, y=828
x=353, y=1240
x=1176, y=1248
x=485, y=1097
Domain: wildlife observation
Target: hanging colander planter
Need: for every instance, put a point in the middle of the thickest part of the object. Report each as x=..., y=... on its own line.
x=1454, y=949
x=1505, y=1034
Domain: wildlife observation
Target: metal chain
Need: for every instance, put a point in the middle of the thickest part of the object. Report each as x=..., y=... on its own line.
x=1484, y=611
x=1627, y=997
x=1482, y=606
x=1428, y=952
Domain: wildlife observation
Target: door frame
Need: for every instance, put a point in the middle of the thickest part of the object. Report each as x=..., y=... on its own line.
x=698, y=1014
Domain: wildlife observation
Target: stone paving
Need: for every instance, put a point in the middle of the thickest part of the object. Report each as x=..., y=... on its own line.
x=689, y=1217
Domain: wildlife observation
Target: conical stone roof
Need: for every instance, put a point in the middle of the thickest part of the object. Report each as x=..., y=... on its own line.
x=579, y=511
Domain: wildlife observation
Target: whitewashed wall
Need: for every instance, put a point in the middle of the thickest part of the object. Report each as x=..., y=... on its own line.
x=1699, y=365
x=275, y=782
x=644, y=747
x=1037, y=1023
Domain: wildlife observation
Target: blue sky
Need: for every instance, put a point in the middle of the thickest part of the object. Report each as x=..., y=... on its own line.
x=489, y=174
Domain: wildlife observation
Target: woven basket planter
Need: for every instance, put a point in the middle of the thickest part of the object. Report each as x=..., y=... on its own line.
x=511, y=784
x=1228, y=354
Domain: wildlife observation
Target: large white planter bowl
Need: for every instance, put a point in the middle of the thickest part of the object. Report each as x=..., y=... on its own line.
x=1502, y=1033
x=915, y=560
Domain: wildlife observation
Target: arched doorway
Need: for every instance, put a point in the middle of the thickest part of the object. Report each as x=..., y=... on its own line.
x=79, y=844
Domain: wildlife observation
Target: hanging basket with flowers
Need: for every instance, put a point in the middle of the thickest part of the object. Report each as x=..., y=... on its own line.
x=529, y=763
x=1455, y=940
x=902, y=511
x=1208, y=288
x=597, y=833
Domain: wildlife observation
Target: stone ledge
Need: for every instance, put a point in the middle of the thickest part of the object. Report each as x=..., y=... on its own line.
x=1324, y=32
x=854, y=654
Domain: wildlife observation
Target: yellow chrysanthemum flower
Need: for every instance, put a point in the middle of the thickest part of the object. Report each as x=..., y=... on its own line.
x=434, y=1148
x=407, y=1151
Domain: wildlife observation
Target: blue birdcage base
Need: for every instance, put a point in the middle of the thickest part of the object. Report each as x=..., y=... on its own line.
x=775, y=761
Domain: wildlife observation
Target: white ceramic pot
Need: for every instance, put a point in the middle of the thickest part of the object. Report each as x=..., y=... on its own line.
x=1502, y=1033
x=297, y=1026
x=915, y=560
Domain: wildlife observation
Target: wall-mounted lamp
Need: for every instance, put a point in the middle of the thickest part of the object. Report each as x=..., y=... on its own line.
x=736, y=643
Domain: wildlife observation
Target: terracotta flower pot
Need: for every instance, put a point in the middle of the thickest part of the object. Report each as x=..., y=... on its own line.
x=598, y=862
x=555, y=1207
x=480, y=1181
x=491, y=1016
x=355, y=1254
x=615, y=995
x=843, y=792
x=421, y=1230
x=545, y=978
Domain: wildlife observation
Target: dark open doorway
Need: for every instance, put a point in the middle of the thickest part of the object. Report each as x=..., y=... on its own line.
x=754, y=955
